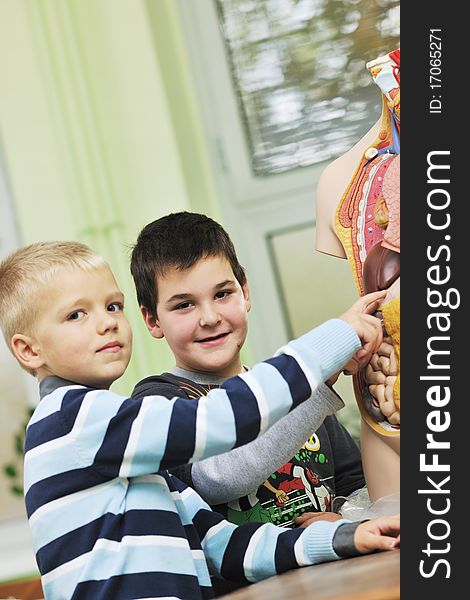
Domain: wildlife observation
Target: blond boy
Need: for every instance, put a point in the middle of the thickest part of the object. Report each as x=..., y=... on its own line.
x=107, y=519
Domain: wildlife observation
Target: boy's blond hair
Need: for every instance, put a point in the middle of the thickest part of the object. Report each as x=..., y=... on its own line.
x=28, y=270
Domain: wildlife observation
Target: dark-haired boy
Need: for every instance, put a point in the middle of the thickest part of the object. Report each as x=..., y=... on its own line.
x=193, y=291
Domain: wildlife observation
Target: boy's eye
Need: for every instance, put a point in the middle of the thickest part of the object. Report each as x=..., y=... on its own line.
x=183, y=305
x=223, y=294
x=76, y=315
x=115, y=307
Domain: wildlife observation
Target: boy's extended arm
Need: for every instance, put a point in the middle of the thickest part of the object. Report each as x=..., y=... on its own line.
x=246, y=405
x=116, y=436
x=253, y=551
x=241, y=471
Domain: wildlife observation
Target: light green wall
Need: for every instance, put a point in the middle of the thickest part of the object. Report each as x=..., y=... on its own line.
x=100, y=131
x=186, y=121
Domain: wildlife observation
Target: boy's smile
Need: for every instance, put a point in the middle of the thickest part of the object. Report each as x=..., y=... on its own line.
x=213, y=340
x=82, y=333
x=202, y=311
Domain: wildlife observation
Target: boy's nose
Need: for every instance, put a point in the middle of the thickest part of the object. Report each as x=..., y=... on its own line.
x=107, y=322
x=209, y=317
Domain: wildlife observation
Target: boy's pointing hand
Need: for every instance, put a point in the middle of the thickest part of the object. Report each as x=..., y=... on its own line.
x=368, y=328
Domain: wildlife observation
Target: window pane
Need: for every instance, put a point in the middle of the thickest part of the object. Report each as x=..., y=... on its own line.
x=298, y=68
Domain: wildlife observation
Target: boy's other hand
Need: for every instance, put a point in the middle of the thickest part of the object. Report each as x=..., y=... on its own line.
x=307, y=518
x=381, y=533
x=367, y=327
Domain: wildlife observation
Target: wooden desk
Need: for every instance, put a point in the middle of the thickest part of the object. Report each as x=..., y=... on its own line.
x=29, y=589
x=370, y=577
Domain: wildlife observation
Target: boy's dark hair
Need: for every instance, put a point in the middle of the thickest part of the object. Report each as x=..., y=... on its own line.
x=177, y=240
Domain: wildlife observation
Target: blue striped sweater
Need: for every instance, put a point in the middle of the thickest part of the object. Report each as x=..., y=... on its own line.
x=109, y=522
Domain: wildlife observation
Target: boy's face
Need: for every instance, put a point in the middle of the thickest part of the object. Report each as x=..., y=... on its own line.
x=203, y=313
x=82, y=333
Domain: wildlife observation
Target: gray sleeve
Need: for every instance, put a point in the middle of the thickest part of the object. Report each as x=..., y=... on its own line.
x=241, y=471
x=343, y=540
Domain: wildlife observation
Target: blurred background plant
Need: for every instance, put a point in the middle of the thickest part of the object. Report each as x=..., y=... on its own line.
x=13, y=470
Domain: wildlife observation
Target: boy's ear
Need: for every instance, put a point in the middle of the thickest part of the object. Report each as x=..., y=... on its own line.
x=246, y=295
x=26, y=351
x=152, y=324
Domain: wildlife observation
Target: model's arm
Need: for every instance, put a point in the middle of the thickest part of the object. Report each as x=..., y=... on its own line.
x=331, y=186
x=327, y=196
x=237, y=473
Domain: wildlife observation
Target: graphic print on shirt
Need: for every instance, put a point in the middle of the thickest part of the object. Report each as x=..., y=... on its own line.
x=295, y=488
